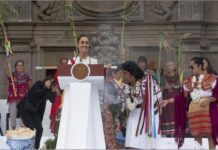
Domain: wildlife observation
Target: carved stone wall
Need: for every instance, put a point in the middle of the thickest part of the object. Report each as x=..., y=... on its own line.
x=160, y=10
x=20, y=11
x=105, y=45
x=105, y=10
x=190, y=10
x=210, y=11
x=49, y=11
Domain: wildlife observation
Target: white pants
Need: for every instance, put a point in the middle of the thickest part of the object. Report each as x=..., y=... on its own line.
x=13, y=114
x=142, y=141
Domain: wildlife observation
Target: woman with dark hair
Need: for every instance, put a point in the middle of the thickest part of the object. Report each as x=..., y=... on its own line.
x=83, y=51
x=143, y=65
x=140, y=95
x=22, y=83
x=208, y=67
x=202, y=111
x=32, y=107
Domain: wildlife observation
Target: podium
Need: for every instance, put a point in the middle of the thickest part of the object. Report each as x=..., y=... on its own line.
x=81, y=124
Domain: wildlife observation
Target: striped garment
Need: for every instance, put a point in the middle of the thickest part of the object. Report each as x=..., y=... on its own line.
x=199, y=119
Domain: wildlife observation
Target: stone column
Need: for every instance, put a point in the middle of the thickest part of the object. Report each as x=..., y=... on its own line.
x=190, y=10
x=23, y=11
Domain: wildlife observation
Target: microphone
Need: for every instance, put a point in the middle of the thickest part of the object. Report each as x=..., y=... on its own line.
x=114, y=67
x=45, y=67
x=89, y=55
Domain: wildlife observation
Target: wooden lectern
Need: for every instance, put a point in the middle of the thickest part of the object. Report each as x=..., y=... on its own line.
x=81, y=124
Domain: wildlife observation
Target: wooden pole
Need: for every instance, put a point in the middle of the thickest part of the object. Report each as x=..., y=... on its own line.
x=12, y=79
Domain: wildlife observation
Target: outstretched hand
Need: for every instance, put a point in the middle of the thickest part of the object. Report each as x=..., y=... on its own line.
x=164, y=103
x=107, y=66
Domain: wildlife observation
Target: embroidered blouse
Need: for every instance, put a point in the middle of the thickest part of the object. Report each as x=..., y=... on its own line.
x=201, y=88
x=21, y=82
x=156, y=91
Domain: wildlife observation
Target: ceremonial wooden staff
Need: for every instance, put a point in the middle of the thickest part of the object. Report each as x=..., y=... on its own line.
x=7, y=45
x=11, y=77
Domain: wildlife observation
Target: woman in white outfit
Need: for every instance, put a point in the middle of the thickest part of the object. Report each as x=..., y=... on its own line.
x=83, y=51
x=142, y=103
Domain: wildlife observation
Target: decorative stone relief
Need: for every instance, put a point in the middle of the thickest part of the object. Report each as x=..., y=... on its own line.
x=204, y=44
x=160, y=10
x=20, y=11
x=190, y=10
x=106, y=9
x=50, y=11
x=105, y=45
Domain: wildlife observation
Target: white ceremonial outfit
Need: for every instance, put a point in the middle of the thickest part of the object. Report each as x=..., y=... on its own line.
x=88, y=60
x=142, y=141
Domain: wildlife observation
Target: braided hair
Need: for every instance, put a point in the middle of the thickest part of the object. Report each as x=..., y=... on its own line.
x=133, y=69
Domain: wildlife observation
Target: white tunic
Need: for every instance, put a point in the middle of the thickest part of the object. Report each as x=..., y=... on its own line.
x=142, y=141
x=88, y=60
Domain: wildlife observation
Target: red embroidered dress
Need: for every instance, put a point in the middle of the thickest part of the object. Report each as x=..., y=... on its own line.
x=21, y=83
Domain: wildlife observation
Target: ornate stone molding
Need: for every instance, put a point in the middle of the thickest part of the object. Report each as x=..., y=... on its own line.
x=104, y=9
x=23, y=11
x=49, y=11
x=160, y=10
x=105, y=44
x=204, y=44
x=190, y=10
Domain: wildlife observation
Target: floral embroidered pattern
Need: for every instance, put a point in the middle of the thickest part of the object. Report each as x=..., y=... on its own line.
x=203, y=83
x=195, y=83
x=132, y=95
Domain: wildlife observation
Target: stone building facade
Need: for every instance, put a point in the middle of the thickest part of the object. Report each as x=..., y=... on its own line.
x=38, y=32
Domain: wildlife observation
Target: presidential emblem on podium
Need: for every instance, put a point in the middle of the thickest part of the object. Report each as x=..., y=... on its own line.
x=80, y=71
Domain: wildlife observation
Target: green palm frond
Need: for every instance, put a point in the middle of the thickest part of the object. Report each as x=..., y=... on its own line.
x=181, y=76
x=66, y=34
x=124, y=17
x=124, y=20
x=7, y=7
x=184, y=36
x=72, y=31
x=3, y=15
x=165, y=44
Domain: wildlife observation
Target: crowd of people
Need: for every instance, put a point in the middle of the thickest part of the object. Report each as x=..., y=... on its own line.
x=137, y=111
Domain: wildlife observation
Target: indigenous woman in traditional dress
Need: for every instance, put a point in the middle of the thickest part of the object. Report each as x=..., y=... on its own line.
x=22, y=83
x=171, y=88
x=140, y=95
x=202, y=115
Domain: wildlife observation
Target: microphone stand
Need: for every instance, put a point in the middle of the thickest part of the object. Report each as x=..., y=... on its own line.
x=89, y=55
